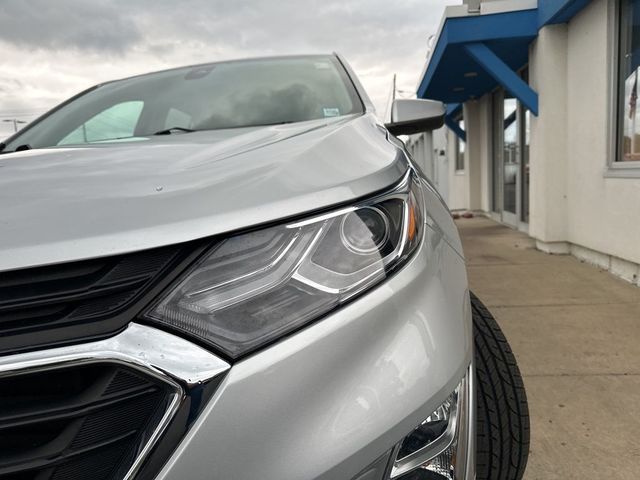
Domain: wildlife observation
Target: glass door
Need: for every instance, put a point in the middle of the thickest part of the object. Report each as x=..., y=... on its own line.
x=496, y=162
x=525, y=134
x=510, y=160
x=526, y=125
x=510, y=167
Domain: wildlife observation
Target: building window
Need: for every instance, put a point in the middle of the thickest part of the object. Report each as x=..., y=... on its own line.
x=460, y=147
x=629, y=73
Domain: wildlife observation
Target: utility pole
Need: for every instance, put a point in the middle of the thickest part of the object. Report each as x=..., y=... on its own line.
x=393, y=97
x=390, y=100
x=15, y=122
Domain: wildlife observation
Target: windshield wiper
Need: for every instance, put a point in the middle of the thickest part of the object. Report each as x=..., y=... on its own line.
x=171, y=130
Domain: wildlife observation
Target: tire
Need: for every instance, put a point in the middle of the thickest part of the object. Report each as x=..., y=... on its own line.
x=502, y=432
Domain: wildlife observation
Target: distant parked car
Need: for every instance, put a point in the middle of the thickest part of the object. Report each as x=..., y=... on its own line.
x=236, y=271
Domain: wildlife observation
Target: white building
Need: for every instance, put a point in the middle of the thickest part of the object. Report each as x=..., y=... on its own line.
x=429, y=150
x=541, y=99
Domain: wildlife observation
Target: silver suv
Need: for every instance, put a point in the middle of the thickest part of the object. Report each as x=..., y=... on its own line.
x=235, y=271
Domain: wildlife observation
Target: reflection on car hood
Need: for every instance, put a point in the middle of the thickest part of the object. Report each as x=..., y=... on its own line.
x=62, y=204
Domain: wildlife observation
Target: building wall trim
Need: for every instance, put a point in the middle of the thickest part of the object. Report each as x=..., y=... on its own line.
x=624, y=269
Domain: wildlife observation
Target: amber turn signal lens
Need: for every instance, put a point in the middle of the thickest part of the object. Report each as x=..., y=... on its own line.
x=412, y=227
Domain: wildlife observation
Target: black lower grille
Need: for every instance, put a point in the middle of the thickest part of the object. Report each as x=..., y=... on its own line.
x=78, y=422
x=51, y=305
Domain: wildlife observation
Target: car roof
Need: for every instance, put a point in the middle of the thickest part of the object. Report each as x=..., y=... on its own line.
x=220, y=62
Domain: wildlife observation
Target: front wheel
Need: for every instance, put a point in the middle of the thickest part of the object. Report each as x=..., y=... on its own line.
x=502, y=432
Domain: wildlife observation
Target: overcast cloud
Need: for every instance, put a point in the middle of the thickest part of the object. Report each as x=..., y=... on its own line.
x=51, y=50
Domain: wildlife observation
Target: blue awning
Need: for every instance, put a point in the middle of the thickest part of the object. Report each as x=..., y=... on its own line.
x=454, y=75
x=474, y=54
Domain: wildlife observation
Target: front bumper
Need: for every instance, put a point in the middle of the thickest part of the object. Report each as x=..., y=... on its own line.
x=326, y=402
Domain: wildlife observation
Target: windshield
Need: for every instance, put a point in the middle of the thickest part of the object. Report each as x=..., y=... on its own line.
x=215, y=96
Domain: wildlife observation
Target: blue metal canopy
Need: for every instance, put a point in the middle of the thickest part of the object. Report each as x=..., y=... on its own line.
x=473, y=51
x=450, y=120
x=476, y=53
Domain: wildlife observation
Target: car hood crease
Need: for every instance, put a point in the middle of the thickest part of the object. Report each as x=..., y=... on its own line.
x=65, y=204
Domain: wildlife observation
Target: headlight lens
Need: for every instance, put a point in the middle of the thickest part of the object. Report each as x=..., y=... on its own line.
x=252, y=288
x=365, y=231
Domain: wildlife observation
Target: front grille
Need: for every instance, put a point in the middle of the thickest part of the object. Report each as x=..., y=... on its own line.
x=78, y=422
x=45, y=306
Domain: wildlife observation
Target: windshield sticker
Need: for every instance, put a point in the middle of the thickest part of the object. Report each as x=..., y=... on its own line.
x=331, y=112
x=322, y=65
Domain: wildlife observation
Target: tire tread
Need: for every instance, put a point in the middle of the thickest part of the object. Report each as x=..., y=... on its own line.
x=503, y=434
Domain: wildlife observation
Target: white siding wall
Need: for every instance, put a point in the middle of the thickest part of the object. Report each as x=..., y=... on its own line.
x=604, y=213
x=548, y=220
x=441, y=162
x=477, y=120
x=429, y=151
x=458, y=181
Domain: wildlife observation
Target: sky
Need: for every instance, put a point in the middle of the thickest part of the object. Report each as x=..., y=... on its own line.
x=52, y=49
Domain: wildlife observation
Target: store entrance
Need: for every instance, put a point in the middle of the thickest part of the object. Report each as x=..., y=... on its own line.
x=510, y=167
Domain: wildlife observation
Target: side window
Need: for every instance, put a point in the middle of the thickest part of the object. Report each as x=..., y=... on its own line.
x=118, y=121
x=628, y=72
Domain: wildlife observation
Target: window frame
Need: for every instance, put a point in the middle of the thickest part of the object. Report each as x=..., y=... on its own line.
x=615, y=167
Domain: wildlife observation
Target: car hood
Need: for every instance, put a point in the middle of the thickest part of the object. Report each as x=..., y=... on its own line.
x=63, y=204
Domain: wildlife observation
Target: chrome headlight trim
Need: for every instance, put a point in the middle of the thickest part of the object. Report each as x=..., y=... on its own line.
x=173, y=360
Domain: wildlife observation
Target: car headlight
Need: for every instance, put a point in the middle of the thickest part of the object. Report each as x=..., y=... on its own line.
x=252, y=288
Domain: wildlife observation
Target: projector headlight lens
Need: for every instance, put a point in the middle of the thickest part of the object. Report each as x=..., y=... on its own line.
x=365, y=230
x=253, y=288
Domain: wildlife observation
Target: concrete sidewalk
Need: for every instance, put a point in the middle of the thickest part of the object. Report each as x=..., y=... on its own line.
x=575, y=331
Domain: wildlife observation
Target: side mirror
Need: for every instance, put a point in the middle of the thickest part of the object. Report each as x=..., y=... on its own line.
x=409, y=116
